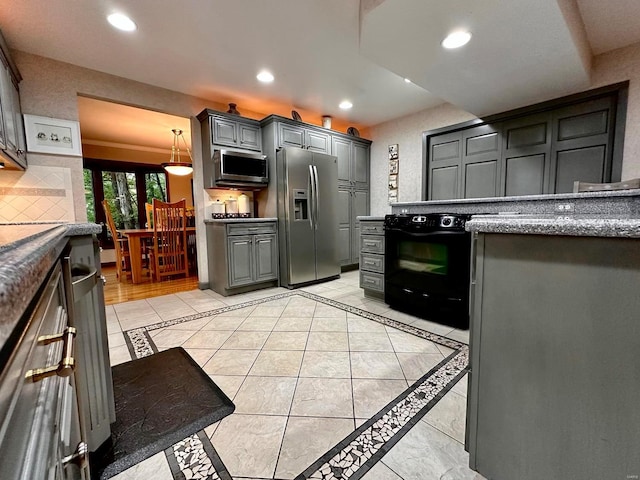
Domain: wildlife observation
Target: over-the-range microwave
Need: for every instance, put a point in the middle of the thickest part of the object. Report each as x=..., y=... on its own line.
x=240, y=169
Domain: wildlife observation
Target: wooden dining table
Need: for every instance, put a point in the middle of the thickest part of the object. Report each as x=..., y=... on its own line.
x=135, y=237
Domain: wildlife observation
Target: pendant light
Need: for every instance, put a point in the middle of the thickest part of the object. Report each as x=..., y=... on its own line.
x=175, y=166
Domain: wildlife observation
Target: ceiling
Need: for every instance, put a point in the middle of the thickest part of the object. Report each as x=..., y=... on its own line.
x=324, y=51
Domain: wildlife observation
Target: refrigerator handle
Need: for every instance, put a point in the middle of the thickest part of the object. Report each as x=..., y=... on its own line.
x=316, y=196
x=312, y=196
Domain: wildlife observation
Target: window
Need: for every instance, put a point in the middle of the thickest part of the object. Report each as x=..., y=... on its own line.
x=126, y=187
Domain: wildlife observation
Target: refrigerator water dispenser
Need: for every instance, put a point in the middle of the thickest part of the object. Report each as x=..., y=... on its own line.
x=300, y=205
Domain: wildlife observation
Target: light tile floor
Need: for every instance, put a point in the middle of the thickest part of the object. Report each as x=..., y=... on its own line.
x=303, y=375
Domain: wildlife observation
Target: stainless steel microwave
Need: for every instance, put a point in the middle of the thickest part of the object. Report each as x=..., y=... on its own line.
x=238, y=169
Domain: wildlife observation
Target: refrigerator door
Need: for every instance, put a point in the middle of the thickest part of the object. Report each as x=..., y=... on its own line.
x=325, y=169
x=299, y=226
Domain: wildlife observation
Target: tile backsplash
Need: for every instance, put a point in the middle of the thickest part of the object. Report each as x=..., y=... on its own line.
x=39, y=194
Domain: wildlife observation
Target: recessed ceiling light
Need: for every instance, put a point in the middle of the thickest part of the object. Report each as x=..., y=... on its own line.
x=345, y=105
x=265, y=77
x=407, y=80
x=121, y=22
x=456, y=39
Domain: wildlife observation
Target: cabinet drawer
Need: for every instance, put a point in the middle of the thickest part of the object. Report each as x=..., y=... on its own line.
x=250, y=228
x=372, y=263
x=372, y=244
x=372, y=281
x=371, y=228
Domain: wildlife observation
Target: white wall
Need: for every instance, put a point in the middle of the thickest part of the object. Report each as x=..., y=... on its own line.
x=612, y=67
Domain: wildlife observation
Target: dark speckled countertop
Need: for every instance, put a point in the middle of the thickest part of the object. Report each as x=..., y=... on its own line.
x=27, y=253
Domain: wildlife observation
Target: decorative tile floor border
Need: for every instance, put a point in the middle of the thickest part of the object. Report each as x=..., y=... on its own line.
x=195, y=457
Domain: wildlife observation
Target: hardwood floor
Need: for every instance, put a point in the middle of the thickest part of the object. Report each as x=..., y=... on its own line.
x=118, y=292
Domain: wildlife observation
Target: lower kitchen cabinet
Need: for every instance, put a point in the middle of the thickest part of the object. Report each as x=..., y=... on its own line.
x=372, y=257
x=243, y=256
x=353, y=203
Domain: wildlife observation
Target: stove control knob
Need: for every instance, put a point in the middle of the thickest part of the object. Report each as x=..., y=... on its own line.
x=447, y=221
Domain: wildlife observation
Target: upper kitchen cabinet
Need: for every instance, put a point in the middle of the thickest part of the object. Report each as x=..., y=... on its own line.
x=290, y=133
x=582, y=146
x=536, y=150
x=12, y=139
x=353, y=161
x=228, y=130
x=465, y=164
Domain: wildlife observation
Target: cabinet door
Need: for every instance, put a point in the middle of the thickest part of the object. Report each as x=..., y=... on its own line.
x=582, y=144
x=345, y=224
x=291, y=136
x=342, y=150
x=250, y=137
x=360, y=208
x=445, y=159
x=360, y=165
x=266, y=257
x=318, y=142
x=225, y=132
x=481, y=161
x=240, y=260
x=7, y=96
x=526, y=151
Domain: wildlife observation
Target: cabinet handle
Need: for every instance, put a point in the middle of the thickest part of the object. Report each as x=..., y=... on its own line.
x=367, y=280
x=104, y=279
x=79, y=457
x=366, y=262
x=20, y=151
x=252, y=229
x=67, y=362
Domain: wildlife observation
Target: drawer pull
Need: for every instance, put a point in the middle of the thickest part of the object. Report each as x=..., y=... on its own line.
x=368, y=280
x=367, y=262
x=79, y=457
x=67, y=362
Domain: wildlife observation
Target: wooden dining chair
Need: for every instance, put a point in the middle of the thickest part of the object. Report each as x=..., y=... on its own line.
x=148, y=208
x=169, y=254
x=121, y=245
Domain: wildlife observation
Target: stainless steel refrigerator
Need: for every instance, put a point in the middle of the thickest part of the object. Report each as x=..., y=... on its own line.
x=307, y=216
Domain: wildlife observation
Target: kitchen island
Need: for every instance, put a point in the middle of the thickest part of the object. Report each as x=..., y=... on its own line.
x=555, y=335
x=56, y=394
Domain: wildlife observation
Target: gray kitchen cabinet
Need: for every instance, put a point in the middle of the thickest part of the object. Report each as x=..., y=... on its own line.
x=353, y=192
x=371, y=244
x=465, y=164
x=226, y=130
x=85, y=299
x=12, y=138
x=555, y=376
x=529, y=154
x=582, y=144
x=445, y=160
x=526, y=153
x=243, y=256
x=353, y=161
x=481, y=161
x=303, y=137
x=354, y=203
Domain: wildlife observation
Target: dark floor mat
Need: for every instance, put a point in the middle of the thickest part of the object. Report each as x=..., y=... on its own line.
x=160, y=399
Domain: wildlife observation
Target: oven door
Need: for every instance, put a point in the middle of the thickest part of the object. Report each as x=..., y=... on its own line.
x=427, y=273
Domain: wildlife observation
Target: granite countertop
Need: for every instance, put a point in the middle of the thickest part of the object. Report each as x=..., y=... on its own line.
x=570, y=225
x=239, y=220
x=27, y=253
